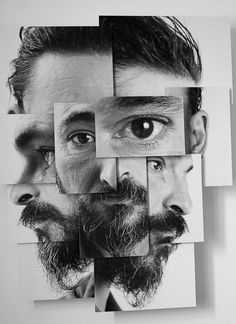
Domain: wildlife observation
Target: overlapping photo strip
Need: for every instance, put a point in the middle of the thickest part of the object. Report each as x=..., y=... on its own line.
x=112, y=134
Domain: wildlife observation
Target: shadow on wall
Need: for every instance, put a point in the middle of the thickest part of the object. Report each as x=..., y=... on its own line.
x=214, y=221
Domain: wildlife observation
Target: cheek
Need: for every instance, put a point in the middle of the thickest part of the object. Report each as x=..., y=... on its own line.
x=79, y=176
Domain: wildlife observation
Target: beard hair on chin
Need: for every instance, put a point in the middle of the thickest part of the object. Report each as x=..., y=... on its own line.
x=138, y=277
x=108, y=229
x=62, y=263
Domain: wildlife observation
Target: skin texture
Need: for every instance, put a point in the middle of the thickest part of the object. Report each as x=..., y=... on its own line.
x=138, y=126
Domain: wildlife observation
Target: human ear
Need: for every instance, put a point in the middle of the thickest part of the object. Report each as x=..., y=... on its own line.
x=198, y=130
x=14, y=109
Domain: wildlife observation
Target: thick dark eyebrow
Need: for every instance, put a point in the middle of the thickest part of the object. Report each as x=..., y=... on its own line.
x=76, y=116
x=130, y=103
x=26, y=136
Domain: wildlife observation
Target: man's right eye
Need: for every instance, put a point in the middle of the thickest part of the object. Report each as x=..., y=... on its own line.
x=82, y=138
x=156, y=165
x=48, y=154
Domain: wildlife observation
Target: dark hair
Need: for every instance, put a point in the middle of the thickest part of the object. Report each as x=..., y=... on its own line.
x=162, y=43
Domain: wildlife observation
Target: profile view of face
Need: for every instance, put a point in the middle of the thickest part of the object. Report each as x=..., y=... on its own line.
x=29, y=149
x=169, y=198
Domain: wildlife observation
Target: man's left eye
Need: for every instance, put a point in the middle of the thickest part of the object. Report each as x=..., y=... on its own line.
x=82, y=138
x=156, y=165
x=48, y=155
x=141, y=129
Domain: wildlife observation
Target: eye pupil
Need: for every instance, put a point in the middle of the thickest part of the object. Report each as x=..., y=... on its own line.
x=156, y=166
x=142, y=128
x=84, y=138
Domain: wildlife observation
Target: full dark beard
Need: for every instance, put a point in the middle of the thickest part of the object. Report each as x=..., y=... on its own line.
x=61, y=258
x=117, y=227
x=62, y=263
x=137, y=277
x=113, y=236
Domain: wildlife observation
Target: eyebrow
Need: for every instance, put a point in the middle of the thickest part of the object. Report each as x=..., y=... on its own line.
x=75, y=116
x=27, y=135
x=128, y=104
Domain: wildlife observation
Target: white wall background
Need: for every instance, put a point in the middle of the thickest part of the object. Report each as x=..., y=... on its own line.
x=215, y=258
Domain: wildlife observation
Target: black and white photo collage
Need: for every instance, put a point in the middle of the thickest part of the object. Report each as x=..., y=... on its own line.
x=110, y=136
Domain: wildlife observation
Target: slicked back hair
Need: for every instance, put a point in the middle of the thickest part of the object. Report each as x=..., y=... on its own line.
x=161, y=43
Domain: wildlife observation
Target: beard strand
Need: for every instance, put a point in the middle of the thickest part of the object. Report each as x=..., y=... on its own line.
x=137, y=277
x=112, y=232
x=62, y=263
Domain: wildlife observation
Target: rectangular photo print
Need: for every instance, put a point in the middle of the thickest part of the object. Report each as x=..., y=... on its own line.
x=115, y=223
x=175, y=198
x=163, y=279
x=46, y=274
x=27, y=142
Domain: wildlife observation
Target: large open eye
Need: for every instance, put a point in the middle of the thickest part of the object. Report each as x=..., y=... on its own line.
x=82, y=138
x=141, y=128
x=156, y=164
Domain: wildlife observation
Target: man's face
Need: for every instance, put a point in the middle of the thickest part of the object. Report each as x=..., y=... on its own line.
x=83, y=78
x=169, y=198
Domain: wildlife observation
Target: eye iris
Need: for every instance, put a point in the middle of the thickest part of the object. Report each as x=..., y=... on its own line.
x=83, y=138
x=142, y=128
x=156, y=165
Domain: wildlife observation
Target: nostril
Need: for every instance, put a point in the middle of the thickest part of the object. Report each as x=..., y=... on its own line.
x=25, y=198
x=177, y=209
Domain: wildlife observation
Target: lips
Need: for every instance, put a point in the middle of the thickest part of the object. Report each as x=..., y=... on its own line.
x=162, y=238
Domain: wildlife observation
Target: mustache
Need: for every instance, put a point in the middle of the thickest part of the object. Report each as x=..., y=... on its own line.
x=127, y=189
x=39, y=212
x=165, y=222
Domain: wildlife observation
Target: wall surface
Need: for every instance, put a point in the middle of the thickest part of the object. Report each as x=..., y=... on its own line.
x=215, y=258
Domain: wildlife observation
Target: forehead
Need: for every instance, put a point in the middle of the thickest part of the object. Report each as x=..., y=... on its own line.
x=68, y=78
x=87, y=77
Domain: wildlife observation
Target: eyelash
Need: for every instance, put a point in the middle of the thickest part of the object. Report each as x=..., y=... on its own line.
x=145, y=143
x=86, y=148
x=44, y=150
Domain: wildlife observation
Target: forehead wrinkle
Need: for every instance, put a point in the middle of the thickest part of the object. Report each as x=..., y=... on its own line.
x=140, y=105
x=64, y=109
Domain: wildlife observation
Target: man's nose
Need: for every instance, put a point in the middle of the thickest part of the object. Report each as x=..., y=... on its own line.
x=178, y=199
x=132, y=168
x=108, y=172
x=21, y=194
x=123, y=169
